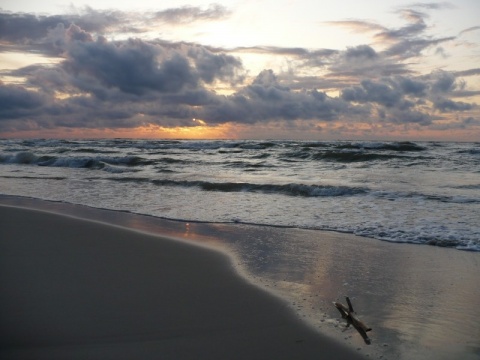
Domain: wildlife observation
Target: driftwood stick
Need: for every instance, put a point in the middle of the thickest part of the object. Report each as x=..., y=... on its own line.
x=350, y=307
x=349, y=314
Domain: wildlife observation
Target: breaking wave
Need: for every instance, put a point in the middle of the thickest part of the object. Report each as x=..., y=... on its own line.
x=96, y=162
x=284, y=189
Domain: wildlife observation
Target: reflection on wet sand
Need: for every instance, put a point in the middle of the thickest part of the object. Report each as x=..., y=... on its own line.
x=421, y=301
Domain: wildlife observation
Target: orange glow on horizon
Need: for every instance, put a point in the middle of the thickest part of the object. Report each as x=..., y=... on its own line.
x=303, y=130
x=223, y=131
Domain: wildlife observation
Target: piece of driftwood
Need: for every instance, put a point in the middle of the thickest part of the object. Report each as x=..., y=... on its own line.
x=352, y=319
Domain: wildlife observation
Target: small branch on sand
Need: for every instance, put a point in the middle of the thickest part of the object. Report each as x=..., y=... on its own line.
x=352, y=319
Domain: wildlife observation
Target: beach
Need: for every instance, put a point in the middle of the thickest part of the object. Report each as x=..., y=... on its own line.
x=104, y=284
x=79, y=289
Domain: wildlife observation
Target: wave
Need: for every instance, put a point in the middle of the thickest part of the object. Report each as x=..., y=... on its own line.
x=342, y=156
x=106, y=146
x=93, y=151
x=455, y=199
x=99, y=162
x=470, y=151
x=248, y=165
x=34, y=177
x=285, y=189
x=402, y=146
x=436, y=238
x=296, y=189
x=292, y=189
x=468, y=187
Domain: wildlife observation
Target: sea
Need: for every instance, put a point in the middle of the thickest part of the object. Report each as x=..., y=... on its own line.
x=408, y=192
x=288, y=214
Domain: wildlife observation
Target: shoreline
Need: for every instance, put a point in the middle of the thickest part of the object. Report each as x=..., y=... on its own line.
x=150, y=223
x=79, y=289
x=419, y=300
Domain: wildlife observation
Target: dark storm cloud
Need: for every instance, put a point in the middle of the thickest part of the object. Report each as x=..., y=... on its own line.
x=138, y=67
x=133, y=67
x=17, y=102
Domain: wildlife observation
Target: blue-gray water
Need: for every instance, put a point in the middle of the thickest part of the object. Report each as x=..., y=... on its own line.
x=423, y=192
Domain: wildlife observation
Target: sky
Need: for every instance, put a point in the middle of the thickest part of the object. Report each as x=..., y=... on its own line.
x=250, y=69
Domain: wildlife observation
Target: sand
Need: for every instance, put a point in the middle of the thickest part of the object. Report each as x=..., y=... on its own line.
x=421, y=301
x=79, y=289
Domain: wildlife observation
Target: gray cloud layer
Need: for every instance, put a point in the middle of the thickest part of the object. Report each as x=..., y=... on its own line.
x=100, y=83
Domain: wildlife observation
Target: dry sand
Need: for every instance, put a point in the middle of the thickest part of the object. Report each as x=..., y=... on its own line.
x=77, y=289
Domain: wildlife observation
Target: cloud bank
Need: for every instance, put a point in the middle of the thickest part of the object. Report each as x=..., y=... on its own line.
x=98, y=82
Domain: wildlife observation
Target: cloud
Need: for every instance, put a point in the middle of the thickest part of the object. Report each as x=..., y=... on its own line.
x=406, y=41
x=188, y=14
x=132, y=67
x=364, y=62
x=446, y=105
x=212, y=66
x=415, y=27
x=469, y=72
x=410, y=40
x=17, y=102
x=385, y=93
x=433, y=6
x=135, y=66
x=409, y=48
x=29, y=29
x=98, y=82
x=21, y=28
x=265, y=99
x=358, y=25
x=473, y=28
x=441, y=82
x=404, y=99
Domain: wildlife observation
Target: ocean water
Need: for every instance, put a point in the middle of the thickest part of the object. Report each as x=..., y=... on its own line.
x=422, y=192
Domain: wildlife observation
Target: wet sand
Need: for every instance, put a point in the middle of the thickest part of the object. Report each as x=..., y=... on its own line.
x=77, y=289
x=421, y=301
